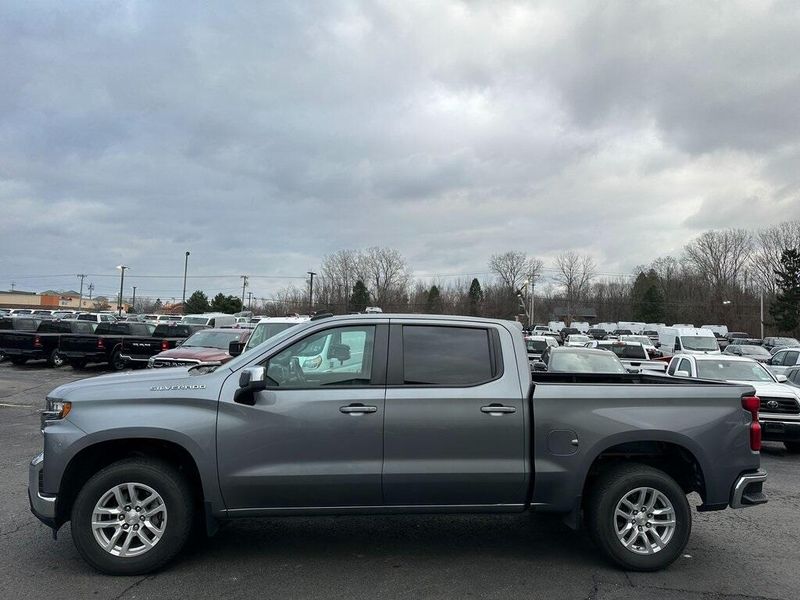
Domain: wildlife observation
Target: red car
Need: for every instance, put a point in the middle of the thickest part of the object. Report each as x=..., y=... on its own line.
x=209, y=346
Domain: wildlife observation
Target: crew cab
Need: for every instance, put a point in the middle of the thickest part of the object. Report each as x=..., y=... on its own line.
x=779, y=403
x=104, y=346
x=22, y=345
x=137, y=351
x=632, y=354
x=439, y=414
x=537, y=344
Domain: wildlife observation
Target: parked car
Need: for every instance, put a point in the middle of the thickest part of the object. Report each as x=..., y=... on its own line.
x=564, y=332
x=579, y=360
x=209, y=320
x=632, y=355
x=687, y=340
x=209, y=346
x=735, y=335
x=784, y=358
x=266, y=437
x=793, y=376
x=19, y=312
x=537, y=344
x=771, y=343
x=96, y=317
x=540, y=330
x=581, y=326
x=652, y=334
x=577, y=340
x=597, y=333
x=104, y=346
x=757, y=353
x=779, y=410
x=645, y=341
x=12, y=323
x=137, y=351
x=268, y=327
x=22, y=345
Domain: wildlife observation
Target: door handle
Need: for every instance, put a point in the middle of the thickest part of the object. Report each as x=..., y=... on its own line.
x=358, y=409
x=496, y=409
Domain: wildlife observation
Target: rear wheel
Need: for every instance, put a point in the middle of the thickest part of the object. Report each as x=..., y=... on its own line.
x=55, y=360
x=117, y=364
x=132, y=517
x=639, y=517
x=792, y=447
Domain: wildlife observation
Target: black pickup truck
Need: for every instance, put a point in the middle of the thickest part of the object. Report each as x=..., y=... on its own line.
x=29, y=341
x=104, y=346
x=10, y=324
x=136, y=351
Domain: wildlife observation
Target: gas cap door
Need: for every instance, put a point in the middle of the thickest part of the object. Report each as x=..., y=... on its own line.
x=562, y=442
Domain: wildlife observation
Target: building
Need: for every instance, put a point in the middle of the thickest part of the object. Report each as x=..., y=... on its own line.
x=51, y=299
x=577, y=313
x=20, y=299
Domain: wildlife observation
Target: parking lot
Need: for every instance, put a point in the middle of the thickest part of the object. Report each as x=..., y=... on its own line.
x=732, y=554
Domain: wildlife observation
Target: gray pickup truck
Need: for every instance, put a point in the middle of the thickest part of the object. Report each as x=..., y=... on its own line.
x=389, y=414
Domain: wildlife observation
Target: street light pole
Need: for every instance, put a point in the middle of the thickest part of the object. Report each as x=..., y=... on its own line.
x=311, y=292
x=185, y=268
x=761, y=311
x=133, y=301
x=121, y=283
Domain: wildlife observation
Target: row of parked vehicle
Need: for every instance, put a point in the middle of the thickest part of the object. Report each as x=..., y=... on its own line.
x=134, y=341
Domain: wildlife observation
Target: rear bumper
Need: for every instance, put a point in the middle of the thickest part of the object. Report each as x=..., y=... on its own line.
x=779, y=430
x=30, y=354
x=42, y=506
x=748, y=490
x=135, y=360
x=87, y=356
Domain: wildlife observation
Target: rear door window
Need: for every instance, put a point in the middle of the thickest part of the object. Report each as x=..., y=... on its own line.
x=791, y=358
x=454, y=356
x=685, y=366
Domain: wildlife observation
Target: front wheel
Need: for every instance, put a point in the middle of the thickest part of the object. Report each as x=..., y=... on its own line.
x=792, y=447
x=132, y=517
x=639, y=517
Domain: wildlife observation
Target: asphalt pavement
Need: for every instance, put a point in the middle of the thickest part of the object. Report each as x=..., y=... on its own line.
x=752, y=553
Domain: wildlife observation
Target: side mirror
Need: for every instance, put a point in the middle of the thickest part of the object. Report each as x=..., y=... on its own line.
x=682, y=374
x=658, y=344
x=235, y=348
x=781, y=378
x=340, y=352
x=251, y=380
x=539, y=367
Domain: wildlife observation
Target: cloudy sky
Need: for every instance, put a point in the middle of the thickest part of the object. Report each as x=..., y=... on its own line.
x=261, y=136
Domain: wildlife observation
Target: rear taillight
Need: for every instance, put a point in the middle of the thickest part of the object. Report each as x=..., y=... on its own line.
x=751, y=404
x=101, y=345
x=164, y=345
x=37, y=342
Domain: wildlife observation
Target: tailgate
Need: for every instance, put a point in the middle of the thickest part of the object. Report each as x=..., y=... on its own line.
x=141, y=348
x=78, y=343
x=16, y=340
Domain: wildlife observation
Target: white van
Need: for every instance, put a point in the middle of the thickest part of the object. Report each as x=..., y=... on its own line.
x=635, y=327
x=581, y=326
x=609, y=327
x=689, y=340
x=210, y=320
x=556, y=326
x=683, y=325
x=722, y=330
x=270, y=326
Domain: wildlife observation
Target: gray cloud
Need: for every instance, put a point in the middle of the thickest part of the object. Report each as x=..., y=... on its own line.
x=264, y=136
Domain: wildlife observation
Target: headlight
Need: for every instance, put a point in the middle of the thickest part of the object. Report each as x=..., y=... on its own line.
x=312, y=363
x=55, y=410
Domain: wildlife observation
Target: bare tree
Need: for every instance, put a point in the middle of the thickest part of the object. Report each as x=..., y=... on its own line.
x=575, y=272
x=769, y=244
x=338, y=274
x=387, y=275
x=720, y=257
x=515, y=268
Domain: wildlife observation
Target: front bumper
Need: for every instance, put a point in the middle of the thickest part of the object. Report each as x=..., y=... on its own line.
x=780, y=430
x=42, y=506
x=748, y=490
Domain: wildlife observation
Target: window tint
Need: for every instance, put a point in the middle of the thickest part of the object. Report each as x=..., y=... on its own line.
x=673, y=366
x=87, y=317
x=685, y=366
x=53, y=327
x=340, y=356
x=791, y=358
x=446, y=355
x=83, y=327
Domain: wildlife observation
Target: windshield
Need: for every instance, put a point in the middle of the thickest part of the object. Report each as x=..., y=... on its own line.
x=578, y=338
x=264, y=331
x=195, y=320
x=698, y=343
x=642, y=339
x=755, y=351
x=625, y=350
x=785, y=342
x=536, y=346
x=212, y=339
x=730, y=370
x=584, y=362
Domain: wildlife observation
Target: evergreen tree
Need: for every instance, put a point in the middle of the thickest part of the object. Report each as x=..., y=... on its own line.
x=786, y=308
x=197, y=303
x=648, y=301
x=158, y=305
x=359, y=300
x=226, y=304
x=475, y=297
x=434, y=302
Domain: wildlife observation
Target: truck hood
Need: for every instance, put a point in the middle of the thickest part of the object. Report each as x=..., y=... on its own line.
x=766, y=388
x=129, y=381
x=195, y=353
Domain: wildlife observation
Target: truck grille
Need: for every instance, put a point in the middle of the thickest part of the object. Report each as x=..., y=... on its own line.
x=161, y=363
x=784, y=406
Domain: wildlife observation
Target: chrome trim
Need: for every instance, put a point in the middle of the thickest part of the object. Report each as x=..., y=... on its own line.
x=741, y=485
x=44, y=507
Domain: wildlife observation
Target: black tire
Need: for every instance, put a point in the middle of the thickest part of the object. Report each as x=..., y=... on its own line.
x=55, y=360
x=167, y=482
x=608, y=491
x=15, y=360
x=78, y=363
x=792, y=447
x=116, y=363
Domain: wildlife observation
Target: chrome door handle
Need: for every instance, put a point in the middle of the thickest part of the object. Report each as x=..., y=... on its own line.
x=358, y=409
x=497, y=410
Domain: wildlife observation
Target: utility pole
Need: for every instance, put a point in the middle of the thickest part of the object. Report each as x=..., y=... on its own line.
x=91, y=289
x=249, y=300
x=530, y=318
x=185, y=267
x=311, y=292
x=244, y=285
x=121, y=283
x=761, y=311
x=133, y=301
x=13, y=283
x=81, y=276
